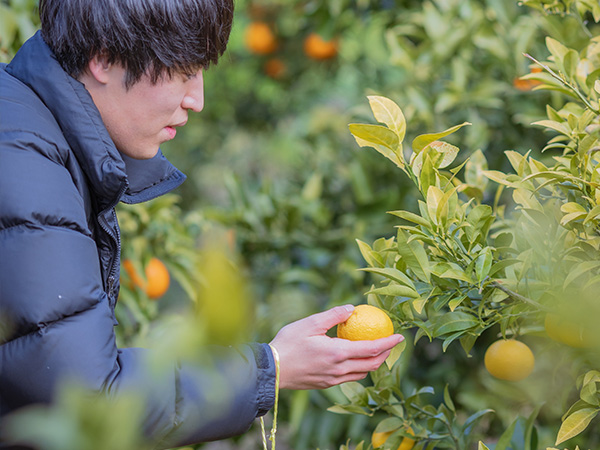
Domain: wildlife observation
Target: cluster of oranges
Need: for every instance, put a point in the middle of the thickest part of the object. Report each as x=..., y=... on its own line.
x=505, y=359
x=260, y=39
x=155, y=281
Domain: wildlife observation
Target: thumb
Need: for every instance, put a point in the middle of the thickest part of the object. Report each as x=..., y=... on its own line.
x=328, y=319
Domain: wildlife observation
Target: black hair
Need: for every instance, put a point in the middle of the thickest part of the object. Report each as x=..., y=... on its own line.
x=154, y=37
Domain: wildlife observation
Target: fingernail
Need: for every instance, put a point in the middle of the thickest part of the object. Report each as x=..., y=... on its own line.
x=401, y=338
x=349, y=308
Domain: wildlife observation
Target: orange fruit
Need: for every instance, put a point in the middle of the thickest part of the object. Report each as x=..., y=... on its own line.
x=366, y=324
x=527, y=85
x=275, y=68
x=156, y=281
x=260, y=39
x=567, y=332
x=379, y=437
x=316, y=47
x=509, y=359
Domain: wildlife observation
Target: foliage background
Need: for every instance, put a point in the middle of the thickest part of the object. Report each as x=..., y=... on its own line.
x=272, y=165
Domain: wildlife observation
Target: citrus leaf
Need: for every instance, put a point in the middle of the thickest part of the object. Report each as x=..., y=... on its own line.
x=395, y=354
x=452, y=322
x=422, y=141
x=580, y=269
x=448, y=151
x=593, y=214
x=556, y=126
x=391, y=274
x=389, y=113
x=368, y=254
x=347, y=409
x=412, y=217
x=483, y=264
x=412, y=252
x=434, y=197
x=395, y=290
x=575, y=424
x=382, y=139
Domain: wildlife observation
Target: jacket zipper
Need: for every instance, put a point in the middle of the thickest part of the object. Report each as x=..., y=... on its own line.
x=116, y=239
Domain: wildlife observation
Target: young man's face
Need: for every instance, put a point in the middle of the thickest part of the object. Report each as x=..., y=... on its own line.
x=141, y=118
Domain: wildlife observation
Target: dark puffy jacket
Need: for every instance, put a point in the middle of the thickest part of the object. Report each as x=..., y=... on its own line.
x=60, y=179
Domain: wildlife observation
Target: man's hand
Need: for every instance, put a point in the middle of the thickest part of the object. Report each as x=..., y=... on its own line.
x=309, y=359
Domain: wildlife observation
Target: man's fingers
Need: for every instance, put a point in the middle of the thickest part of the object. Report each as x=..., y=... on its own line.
x=323, y=321
x=368, y=349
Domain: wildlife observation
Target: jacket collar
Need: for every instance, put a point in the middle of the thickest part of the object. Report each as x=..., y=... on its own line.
x=112, y=176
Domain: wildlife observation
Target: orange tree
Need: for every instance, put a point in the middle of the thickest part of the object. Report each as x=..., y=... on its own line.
x=294, y=195
x=468, y=266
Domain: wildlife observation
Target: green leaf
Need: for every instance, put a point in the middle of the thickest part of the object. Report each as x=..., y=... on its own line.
x=501, y=265
x=434, y=197
x=572, y=217
x=452, y=322
x=448, y=151
x=348, y=409
x=413, y=253
x=448, y=400
x=561, y=127
x=455, y=302
x=483, y=264
x=395, y=354
x=472, y=419
x=575, y=424
x=482, y=446
x=395, y=290
x=447, y=206
x=355, y=392
x=391, y=274
x=427, y=175
x=422, y=141
x=389, y=113
x=506, y=437
x=411, y=217
x=382, y=139
x=557, y=49
x=371, y=257
x=593, y=214
x=389, y=424
x=474, y=170
x=450, y=270
x=585, y=267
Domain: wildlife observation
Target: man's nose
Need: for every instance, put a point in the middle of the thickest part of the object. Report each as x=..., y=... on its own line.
x=194, y=96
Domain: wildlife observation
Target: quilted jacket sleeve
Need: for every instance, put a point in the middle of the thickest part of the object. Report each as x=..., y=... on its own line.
x=56, y=322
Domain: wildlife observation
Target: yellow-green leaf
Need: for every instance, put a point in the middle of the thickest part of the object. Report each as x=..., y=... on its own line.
x=571, y=217
x=575, y=424
x=411, y=217
x=434, y=197
x=419, y=304
x=391, y=274
x=413, y=253
x=448, y=151
x=396, y=290
x=395, y=354
x=389, y=113
x=422, y=141
x=382, y=139
x=367, y=253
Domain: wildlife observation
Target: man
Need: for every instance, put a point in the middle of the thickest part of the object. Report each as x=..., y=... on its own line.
x=84, y=107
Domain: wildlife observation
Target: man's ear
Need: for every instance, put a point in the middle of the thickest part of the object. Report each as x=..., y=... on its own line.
x=99, y=68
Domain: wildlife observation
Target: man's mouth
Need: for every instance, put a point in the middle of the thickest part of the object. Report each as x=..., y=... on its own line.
x=172, y=132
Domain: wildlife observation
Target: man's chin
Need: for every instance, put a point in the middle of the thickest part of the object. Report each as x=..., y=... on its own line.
x=140, y=153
